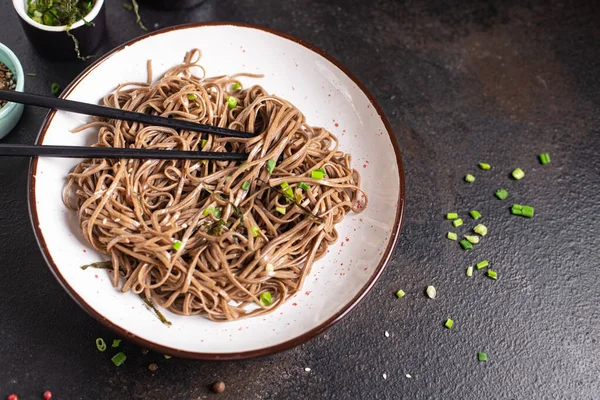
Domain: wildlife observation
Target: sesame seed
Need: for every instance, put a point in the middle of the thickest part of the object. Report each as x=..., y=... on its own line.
x=307, y=369
x=409, y=376
x=384, y=376
x=387, y=334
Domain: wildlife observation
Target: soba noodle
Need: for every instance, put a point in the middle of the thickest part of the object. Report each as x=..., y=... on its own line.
x=213, y=237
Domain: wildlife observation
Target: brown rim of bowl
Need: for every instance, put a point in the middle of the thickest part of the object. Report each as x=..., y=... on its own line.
x=221, y=356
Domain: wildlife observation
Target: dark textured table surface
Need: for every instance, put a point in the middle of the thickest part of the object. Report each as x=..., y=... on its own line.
x=461, y=82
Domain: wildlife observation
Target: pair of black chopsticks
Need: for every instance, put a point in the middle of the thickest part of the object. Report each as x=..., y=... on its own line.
x=17, y=150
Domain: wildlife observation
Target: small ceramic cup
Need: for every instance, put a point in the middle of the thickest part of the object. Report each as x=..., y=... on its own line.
x=11, y=113
x=171, y=4
x=53, y=43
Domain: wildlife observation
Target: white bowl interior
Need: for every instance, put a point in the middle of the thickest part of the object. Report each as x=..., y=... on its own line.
x=21, y=9
x=327, y=97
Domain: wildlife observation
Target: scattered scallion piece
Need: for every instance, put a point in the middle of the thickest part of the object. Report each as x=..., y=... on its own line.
x=271, y=165
x=501, y=194
x=527, y=211
x=270, y=268
x=482, y=264
x=469, y=271
x=451, y=215
x=255, y=231
x=484, y=166
x=475, y=214
x=452, y=236
x=127, y=6
x=203, y=143
x=480, y=229
x=231, y=102
x=492, y=274
x=457, y=222
x=449, y=323
x=469, y=178
x=116, y=343
x=518, y=174
x=545, y=158
x=246, y=185
x=465, y=244
x=317, y=175
x=280, y=210
x=55, y=88
x=192, y=96
x=32, y=74
x=265, y=298
x=431, y=292
x=236, y=86
x=472, y=239
x=177, y=245
x=482, y=356
x=119, y=358
x=167, y=357
x=400, y=293
x=101, y=344
x=304, y=186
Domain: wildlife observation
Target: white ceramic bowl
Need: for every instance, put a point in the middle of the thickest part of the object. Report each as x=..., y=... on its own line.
x=328, y=95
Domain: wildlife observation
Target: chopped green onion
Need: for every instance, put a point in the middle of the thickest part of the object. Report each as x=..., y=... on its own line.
x=177, y=245
x=203, y=143
x=452, y=236
x=482, y=264
x=469, y=271
x=227, y=178
x=451, y=215
x=527, y=211
x=492, y=274
x=482, y=356
x=119, y=358
x=431, y=292
x=55, y=88
x=213, y=211
x=484, y=166
x=501, y=194
x=281, y=210
x=466, y=244
x=475, y=214
x=304, y=186
x=270, y=268
x=116, y=343
x=321, y=170
x=32, y=74
x=472, y=239
x=518, y=174
x=101, y=344
x=192, y=96
x=449, y=323
x=167, y=357
x=480, y=229
x=457, y=222
x=265, y=298
x=289, y=193
x=231, y=102
x=127, y=6
x=271, y=165
x=469, y=178
x=317, y=175
x=246, y=186
x=236, y=86
x=400, y=293
x=255, y=231
x=544, y=157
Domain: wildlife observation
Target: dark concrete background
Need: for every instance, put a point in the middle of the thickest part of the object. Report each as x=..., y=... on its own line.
x=461, y=82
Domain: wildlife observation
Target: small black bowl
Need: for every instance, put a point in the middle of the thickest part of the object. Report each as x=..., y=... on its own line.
x=53, y=43
x=171, y=4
